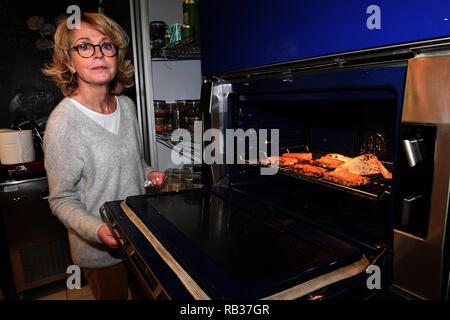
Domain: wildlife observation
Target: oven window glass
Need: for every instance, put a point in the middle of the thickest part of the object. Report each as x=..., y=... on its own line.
x=247, y=248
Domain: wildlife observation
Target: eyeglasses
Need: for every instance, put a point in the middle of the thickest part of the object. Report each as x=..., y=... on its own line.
x=87, y=50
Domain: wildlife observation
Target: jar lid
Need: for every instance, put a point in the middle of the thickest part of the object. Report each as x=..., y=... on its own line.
x=157, y=23
x=198, y=183
x=178, y=171
x=159, y=103
x=169, y=172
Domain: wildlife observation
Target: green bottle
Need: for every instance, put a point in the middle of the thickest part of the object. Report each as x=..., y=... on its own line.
x=191, y=17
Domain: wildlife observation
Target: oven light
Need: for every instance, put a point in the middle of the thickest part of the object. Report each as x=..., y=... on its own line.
x=316, y=297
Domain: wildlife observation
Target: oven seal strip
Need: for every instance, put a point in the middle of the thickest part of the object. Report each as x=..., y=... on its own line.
x=291, y=293
x=184, y=277
x=321, y=281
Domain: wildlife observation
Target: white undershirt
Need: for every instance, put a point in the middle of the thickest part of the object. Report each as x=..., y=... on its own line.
x=110, y=122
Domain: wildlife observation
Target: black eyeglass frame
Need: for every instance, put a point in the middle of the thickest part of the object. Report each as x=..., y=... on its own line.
x=75, y=48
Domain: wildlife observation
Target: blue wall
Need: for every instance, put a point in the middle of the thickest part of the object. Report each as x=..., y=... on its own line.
x=240, y=34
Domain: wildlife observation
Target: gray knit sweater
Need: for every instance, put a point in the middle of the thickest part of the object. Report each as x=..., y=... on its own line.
x=87, y=166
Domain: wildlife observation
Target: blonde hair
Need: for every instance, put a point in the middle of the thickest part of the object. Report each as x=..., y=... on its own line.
x=58, y=69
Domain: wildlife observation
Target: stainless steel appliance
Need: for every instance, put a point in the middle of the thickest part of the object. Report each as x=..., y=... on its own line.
x=390, y=223
x=409, y=131
x=286, y=236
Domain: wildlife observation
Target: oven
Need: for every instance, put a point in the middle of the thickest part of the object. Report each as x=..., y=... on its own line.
x=397, y=111
x=284, y=235
x=262, y=230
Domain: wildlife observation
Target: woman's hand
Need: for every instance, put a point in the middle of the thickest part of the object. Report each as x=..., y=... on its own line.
x=158, y=179
x=105, y=235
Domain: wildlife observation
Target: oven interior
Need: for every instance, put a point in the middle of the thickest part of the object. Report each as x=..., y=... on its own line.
x=350, y=123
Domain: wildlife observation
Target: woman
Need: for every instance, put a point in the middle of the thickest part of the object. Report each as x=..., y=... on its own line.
x=92, y=146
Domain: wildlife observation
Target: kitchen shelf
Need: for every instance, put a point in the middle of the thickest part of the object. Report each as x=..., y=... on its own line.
x=185, y=49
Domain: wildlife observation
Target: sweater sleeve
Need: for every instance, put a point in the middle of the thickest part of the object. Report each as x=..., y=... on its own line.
x=64, y=168
x=132, y=107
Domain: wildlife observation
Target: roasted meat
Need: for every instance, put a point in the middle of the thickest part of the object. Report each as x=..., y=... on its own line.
x=308, y=170
x=327, y=162
x=337, y=156
x=346, y=178
x=305, y=156
x=278, y=161
x=287, y=161
x=365, y=164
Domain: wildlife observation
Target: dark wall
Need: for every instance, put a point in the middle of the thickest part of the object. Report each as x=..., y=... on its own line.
x=24, y=90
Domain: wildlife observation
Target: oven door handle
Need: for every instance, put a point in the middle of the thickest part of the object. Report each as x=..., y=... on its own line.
x=112, y=225
x=44, y=195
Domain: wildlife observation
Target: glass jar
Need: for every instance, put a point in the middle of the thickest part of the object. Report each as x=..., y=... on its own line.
x=198, y=183
x=178, y=174
x=160, y=124
x=191, y=123
x=188, y=176
x=173, y=185
x=161, y=115
x=189, y=168
x=158, y=30
x=169, y=172
x=193, y=108
x=156, y=47
x=171, y=109
x=197, y=171
x=160, y=108
x=181, y=106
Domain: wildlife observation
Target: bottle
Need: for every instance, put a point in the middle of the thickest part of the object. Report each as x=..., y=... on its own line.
x=191, y=17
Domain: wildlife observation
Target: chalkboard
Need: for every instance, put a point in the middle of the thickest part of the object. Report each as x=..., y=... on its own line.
x=26, y=36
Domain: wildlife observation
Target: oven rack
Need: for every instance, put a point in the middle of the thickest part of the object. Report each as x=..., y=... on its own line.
x=193, y=149
x=376, y=190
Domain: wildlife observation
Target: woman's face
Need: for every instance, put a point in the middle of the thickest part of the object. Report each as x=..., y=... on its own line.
x=97, y=70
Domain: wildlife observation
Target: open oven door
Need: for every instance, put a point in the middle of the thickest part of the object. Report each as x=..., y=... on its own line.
x=216, y=244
